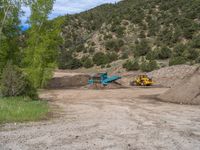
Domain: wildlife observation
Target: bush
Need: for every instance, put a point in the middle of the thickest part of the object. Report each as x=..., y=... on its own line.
x=124, y=55
x=197, y=60
x=100, y=59
x=131, y=66
x=142, y=48
x=196, y=42
x=88, y=63
x=177, y=60
x=91, y=50
x=179, y=50
x=192, y=54
x=164, y=53
x=151, y=55
x=80, y=48
x=114, y=45
x=108, y=66
x=149, y=66
x=15, y=83
x=112, y=57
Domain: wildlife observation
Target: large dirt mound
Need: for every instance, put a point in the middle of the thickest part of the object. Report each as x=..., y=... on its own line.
x=171, y=76
x=67, y=82
x=186, y=92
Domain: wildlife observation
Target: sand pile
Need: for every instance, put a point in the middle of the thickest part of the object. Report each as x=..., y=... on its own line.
x=186, y=92
x=171, y=76
x=67, y=82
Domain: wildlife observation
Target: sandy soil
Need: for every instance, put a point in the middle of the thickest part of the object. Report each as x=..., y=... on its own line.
x=119, y=119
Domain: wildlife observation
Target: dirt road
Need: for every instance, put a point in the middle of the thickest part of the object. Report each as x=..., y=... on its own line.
x=110, y=120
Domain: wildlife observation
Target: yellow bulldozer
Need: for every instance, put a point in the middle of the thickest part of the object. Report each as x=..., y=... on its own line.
x=142, y=80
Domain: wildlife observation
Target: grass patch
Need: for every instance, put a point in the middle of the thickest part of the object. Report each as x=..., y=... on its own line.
x=22, y=109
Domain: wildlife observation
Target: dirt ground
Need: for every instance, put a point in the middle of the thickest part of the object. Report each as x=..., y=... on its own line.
x=119, y=119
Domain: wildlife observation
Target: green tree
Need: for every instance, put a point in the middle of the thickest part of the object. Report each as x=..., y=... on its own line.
x=9, y=32
x=142, y=48
x=131, y=65
x=100, y=59
x=43, y=38
x=164, y=53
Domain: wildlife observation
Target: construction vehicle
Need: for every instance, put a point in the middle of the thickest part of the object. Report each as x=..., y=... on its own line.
x=142, y=80
x=102, y=79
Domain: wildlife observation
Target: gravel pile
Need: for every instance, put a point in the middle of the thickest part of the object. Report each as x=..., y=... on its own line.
x=186, y=92
x=171, y=76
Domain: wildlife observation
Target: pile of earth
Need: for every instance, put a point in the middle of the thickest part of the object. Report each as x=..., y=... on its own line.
x=67, y=82
x=171, y=76
x=112, y=85
x=186, y=92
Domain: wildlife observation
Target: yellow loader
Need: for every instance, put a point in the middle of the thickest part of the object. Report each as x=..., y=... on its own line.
x=142, y=80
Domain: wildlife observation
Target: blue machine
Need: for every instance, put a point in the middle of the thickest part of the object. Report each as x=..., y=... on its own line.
x=103, y=78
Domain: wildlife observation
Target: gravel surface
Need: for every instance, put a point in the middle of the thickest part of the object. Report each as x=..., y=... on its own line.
x=120, y=119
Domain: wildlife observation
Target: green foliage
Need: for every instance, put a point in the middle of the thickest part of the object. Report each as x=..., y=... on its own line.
x=43, y=40
x=100, y=59
x=124, y=55
x=87, y=62
x=131, y=65
x=21, y=109
x=177, y=60
x=148, y=66
x=9, y=33
x=80, y=48
x=112, y=57
x=164, y=53
x=108, y=66
x=66, y=61
x=15, y=83
x=179, y=50
x=151, y=55
x=196, y=42
x=142, y=48
x=137, y=20
x=114, y=45
x=192, y=54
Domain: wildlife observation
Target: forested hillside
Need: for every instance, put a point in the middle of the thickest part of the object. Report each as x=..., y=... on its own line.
x=141, y=31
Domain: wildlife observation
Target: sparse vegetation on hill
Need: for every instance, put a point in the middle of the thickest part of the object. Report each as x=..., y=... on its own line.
x=155, y=29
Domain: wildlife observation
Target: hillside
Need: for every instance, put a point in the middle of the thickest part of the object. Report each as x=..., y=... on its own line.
x=141, y=32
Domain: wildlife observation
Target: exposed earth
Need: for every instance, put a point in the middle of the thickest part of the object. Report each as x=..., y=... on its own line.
x=130, y=118
x=108, y=119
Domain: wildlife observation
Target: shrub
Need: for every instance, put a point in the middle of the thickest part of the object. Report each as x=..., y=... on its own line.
x=80, y=48
x=142, y=48
x=131, y=66
x=179, y=50
x=91, y=50
x=108, y=66
x=164, y=53
x=151, y=55
x=149, y=66
x=15, y=83
x=192, y=54
x=100, y=59
x=114, y=45
x=112, y=57
x=196, y=42
x=124, y=55
x=197, y=60
x=88, y=63
x=177, y=60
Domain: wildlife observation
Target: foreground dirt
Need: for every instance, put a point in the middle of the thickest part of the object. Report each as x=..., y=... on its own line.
x=119, y=119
